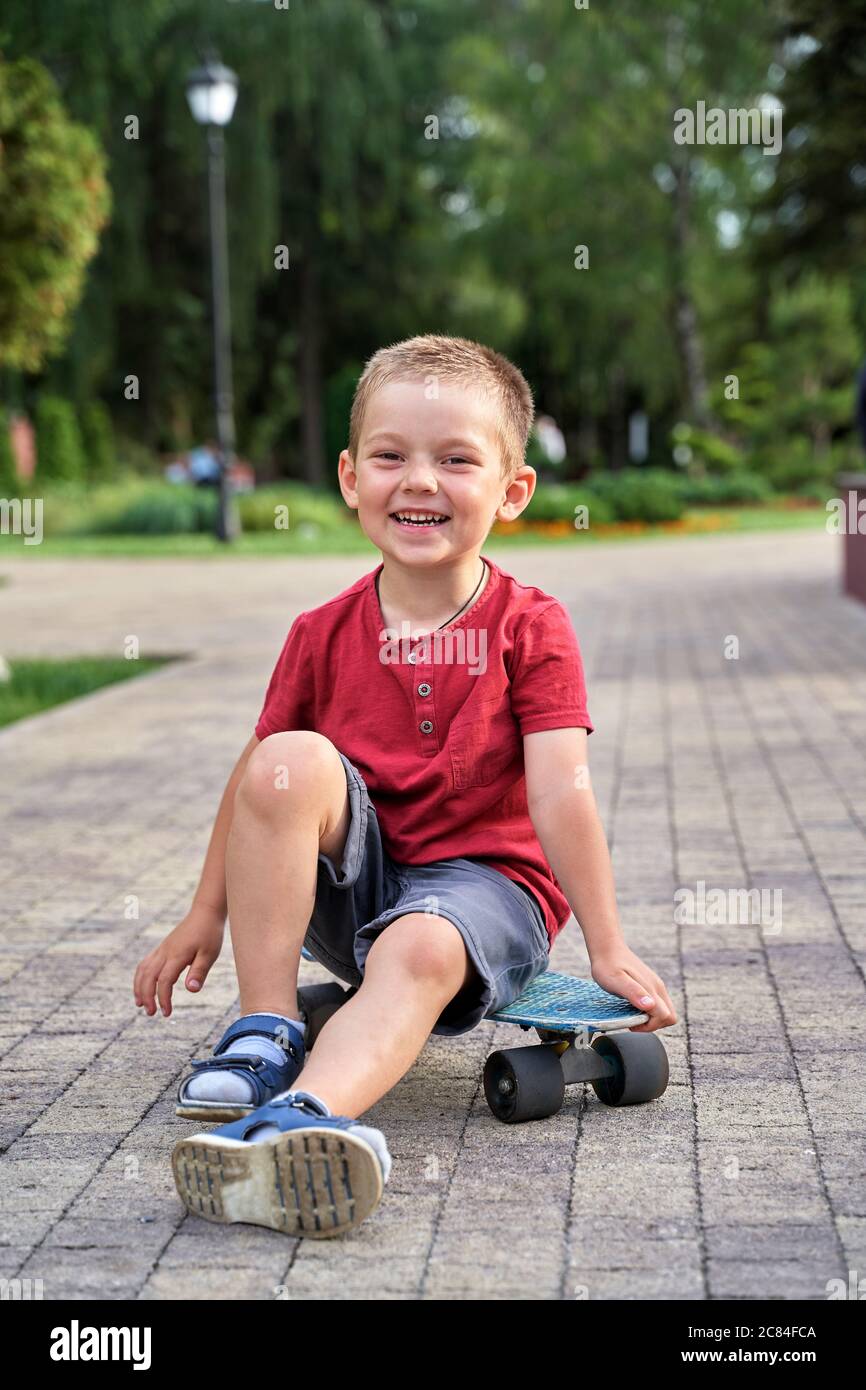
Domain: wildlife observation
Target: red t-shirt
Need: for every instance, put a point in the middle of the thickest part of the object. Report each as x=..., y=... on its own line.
x=438, y=740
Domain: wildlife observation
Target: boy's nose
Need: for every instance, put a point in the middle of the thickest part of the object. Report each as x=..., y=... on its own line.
x=421, y=476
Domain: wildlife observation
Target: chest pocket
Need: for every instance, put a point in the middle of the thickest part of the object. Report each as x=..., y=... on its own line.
x=483, y=743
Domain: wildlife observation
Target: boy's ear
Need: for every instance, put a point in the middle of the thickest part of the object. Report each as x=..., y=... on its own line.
x=346, y=472
x=527, y=475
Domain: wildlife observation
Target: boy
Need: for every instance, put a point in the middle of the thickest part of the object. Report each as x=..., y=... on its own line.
x=406, y=808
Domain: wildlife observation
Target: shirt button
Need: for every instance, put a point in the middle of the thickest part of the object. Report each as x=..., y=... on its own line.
x=426, y=726
x=424, y=688
x=412, y=658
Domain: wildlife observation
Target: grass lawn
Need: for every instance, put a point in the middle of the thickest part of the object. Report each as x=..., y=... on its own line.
x=352, y=540
x=36, y=685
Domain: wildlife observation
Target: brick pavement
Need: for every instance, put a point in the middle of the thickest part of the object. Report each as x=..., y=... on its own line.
x=745, y=1181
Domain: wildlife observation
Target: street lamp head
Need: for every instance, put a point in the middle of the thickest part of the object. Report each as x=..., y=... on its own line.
x=211, y=91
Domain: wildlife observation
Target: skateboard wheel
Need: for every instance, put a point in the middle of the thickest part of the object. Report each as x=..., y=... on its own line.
x=640, y=1066
x=524, y=1083
x=317, y=1004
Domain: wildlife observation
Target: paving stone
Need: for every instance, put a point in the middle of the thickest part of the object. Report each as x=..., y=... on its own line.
x=747, y=1180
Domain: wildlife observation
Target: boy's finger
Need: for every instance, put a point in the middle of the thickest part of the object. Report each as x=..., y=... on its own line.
x=649, y=1002
x=637, y=994
x=671, y=1010
x=198, y=971
x=139, y=982
x=145, y=979
x=662, y=993
x=146, y=984
x=641, y=996
x=660, y=1009
x=661, y=1015
x=165, y=984
x=644, y=997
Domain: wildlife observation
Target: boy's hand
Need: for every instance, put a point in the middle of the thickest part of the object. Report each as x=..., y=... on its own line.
x=196, y=941
x=620, y=971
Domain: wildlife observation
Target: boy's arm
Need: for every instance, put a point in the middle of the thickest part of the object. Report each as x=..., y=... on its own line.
x=211, y=890
x=565, y=818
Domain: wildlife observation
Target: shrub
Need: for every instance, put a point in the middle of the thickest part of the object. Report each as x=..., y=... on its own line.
x=817, y=492
x=793, y=462
x=140, y=506
x=557, y=501
x=649, y=498
x=305, y=505
x=152, y=509
x=67, y=507
x=10, y=484
x=137, y=460
x=707, y=450
x=59, y=447
x=640, y=494
x=98, y=435
x=731, y=490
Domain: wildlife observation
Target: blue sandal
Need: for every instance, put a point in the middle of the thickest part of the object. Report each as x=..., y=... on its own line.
x=267, y=1078
x=320, y=1176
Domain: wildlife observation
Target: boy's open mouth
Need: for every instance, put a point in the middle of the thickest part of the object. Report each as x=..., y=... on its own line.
x=419, y=520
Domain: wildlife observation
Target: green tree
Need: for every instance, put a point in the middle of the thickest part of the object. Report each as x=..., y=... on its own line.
x=818, y=200
x=554, y=129
x=574, y=147
x=53, y=203
x=323, y=156
x=797, y=385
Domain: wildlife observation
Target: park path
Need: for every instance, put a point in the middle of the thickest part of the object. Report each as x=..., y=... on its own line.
x=745, y=1181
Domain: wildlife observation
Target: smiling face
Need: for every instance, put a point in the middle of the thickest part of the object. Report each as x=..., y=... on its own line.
x=441, y=458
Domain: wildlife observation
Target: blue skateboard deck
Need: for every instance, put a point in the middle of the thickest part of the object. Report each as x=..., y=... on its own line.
x=565, y=1004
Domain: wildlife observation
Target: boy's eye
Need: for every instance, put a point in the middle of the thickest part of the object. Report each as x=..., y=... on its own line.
x=390, y=454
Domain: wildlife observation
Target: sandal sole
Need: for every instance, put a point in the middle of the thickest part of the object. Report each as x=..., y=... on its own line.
x=217, y=1113
x=312, y=1182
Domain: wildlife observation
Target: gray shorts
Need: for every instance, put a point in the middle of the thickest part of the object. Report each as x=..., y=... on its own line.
x=501, y=923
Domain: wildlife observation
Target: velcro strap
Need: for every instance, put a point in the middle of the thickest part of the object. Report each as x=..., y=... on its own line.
x=265, y=1025
x=234, y=1059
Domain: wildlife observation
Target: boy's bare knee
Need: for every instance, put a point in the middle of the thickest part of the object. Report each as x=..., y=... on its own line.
x=426, y=947
x=288, y=767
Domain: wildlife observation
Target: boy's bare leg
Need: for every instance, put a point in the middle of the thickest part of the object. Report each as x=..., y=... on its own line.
x=416, y=965
x=291, y=803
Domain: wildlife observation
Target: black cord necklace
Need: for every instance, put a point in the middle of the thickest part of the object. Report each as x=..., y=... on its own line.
x=453, y=615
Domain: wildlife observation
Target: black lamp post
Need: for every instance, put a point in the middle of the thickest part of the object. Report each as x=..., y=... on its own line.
x=211, y=91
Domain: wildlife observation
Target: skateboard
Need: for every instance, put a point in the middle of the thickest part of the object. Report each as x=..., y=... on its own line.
x=584, y=1037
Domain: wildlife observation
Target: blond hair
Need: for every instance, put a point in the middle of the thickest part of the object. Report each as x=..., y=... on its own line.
x=465, y=363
